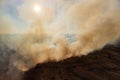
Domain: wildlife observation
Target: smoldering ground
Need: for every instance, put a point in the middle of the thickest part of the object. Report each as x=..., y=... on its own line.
x=92, y=24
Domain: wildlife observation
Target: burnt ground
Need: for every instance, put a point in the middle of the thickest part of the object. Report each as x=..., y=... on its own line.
x=99, y=65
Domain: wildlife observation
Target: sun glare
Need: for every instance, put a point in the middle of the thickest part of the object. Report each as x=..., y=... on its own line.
x=37, y=8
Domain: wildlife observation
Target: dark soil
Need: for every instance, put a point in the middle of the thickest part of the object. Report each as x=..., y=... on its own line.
x=99, y=65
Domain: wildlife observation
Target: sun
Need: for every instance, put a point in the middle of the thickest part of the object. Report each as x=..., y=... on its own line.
x=37, y=8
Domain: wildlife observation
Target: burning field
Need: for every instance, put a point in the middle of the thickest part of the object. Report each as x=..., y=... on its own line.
x=98, y=65
x=59, y=40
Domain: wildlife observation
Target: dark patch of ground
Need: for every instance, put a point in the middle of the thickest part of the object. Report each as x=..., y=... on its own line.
x=99, y=65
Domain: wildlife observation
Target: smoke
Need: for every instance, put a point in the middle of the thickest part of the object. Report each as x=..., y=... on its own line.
x=5, y=24
x=71, y=28
x=63, y=29
x=3, y=3
x=5, y=21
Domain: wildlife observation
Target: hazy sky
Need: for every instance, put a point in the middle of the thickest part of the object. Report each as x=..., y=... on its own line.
x=17, y=15
x=10, y=22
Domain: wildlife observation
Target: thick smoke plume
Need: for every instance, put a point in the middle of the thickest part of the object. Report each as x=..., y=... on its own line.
x=63, y=29
x=76, y=28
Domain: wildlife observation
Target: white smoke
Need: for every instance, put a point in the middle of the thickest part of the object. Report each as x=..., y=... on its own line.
x=93, y=24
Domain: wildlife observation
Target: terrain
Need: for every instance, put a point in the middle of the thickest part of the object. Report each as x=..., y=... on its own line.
x=99, y=65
